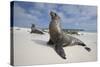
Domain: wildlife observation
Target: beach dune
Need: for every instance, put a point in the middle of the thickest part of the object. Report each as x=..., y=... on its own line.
x=32, y=49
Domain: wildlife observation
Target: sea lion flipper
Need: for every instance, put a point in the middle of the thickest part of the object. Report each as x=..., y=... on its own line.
x=84, y=45
x=60, y=51
x=88, y=49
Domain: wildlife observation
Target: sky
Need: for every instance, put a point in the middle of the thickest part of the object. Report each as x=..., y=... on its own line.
x=72, y=16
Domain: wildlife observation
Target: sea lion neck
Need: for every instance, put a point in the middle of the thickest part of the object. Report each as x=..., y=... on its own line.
x=55, y=19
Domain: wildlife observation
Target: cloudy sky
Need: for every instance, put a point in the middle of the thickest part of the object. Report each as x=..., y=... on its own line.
x=72, y=16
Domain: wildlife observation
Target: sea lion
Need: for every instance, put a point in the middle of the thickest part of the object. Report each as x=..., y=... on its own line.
x=35, y=30
x=58, y=39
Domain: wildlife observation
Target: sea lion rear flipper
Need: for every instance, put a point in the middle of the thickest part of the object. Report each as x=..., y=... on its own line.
x=88, y=49
x=60, y=51
x=84, y=45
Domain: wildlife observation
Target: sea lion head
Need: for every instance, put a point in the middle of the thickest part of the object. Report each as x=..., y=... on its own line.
x=54, y=15
x=33, y=25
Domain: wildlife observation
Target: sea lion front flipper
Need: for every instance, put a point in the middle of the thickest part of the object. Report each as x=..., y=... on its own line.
x=60, y=51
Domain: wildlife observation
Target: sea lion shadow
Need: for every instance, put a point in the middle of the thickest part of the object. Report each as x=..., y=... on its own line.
x=42, y=42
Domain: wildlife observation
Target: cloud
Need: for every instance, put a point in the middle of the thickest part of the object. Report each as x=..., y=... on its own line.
x=23, y=19
x=72, y=16
x=84, y=17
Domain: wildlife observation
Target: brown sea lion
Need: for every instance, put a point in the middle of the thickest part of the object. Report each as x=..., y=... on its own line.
x=59, y=39
x=35, y=30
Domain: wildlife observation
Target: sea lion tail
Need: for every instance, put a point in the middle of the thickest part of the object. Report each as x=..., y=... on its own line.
x=60, y=51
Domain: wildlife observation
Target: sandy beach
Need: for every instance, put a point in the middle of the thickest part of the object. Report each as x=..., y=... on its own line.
x=31, y=49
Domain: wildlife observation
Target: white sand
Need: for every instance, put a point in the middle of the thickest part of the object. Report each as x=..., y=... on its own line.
x=31, y=49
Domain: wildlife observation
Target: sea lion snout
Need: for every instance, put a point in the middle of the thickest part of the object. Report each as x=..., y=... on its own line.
x=52, y=14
